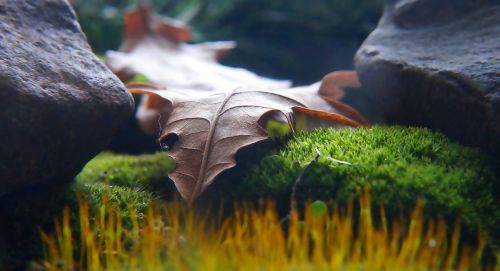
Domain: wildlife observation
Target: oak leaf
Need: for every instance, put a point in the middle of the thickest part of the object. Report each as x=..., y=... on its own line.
x=203, y=130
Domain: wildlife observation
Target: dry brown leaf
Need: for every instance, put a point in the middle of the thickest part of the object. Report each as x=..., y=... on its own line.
x=156, y=47
x=204, y=130
x=204, y=117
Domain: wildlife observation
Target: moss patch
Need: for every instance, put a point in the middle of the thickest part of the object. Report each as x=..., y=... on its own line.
x=145, y=172
x=398, y=164
x=127, y=180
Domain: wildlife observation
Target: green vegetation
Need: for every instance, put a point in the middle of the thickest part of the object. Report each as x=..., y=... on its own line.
x=128, y=181
x=399, y=165
x=93, y=195
x=146, y=172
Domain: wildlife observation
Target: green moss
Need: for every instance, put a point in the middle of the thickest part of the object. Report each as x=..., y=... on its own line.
x=126, y=180
x=277, y=129
x=144, y=172
x=398, y=164
x=124, y=197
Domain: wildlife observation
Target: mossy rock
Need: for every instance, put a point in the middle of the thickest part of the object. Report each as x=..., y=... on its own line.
x=130, y=181
x=398, y=165
x=145, y=172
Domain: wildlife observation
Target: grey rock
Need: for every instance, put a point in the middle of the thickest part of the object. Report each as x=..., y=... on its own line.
x=437, y=64
x=59, y=104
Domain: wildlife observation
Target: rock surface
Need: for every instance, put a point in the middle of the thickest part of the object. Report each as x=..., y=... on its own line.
x=437, y=64
x=60, y=104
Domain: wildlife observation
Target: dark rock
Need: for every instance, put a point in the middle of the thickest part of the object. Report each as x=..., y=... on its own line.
x=60, y=104
x=437, y=64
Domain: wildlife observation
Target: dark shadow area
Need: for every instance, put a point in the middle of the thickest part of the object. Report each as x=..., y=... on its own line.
x=23, y=214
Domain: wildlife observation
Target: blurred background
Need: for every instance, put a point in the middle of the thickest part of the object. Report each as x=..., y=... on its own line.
x=285, y=39
x=298, y=40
